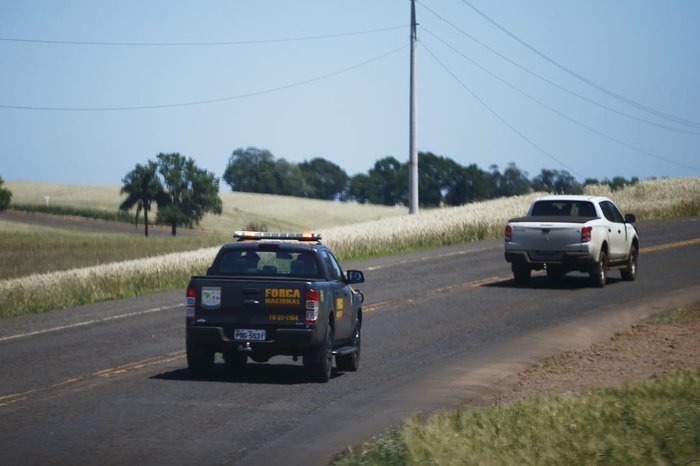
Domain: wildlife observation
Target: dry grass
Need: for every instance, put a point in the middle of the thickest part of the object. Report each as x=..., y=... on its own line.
x=648, y=199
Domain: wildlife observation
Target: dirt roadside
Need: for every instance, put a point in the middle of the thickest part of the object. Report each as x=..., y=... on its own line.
x=644, y=351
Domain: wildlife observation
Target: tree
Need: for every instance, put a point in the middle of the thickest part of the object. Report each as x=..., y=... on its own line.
x=323, y=179
x=619, y=182
x=251, y=170
x=468, y=184
x=388, y=182
x=359, y=188
x=5, y=196
x=513, y=182
x=142, y=187
x=556, y=182
x=189, y=192
x=289, y=180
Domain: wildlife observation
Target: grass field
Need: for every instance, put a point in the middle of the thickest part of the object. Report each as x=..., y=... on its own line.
x=28, y=283
x=239, y=209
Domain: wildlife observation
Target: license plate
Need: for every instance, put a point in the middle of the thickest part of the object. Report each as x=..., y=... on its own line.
x=249, y=334
x=546, y=256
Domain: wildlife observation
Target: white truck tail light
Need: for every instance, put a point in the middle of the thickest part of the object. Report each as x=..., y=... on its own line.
x=508, y=234
x=190, y=302
x=312, y=306
x=586, y=234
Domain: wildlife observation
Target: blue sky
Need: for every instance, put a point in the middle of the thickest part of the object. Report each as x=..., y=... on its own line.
x=292, y=81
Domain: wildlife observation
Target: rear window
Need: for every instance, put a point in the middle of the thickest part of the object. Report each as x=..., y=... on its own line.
x=563, y=209
x=241, y=262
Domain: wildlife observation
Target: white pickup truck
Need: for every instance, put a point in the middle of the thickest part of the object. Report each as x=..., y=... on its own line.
x=565, y=233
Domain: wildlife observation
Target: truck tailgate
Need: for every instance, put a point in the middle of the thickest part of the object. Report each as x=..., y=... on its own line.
x=546, y=236
x=247, y=303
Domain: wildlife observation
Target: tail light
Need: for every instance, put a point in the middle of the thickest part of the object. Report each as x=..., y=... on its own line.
x=509, y=233
x=586, y=234
x=190, y=303
x=312, y=306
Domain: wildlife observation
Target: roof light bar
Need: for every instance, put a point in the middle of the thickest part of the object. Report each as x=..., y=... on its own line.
x=243, y=235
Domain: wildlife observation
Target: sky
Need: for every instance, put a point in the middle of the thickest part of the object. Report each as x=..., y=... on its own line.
x=599, y=88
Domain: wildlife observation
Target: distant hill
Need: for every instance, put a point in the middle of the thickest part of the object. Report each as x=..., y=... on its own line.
x=239, y=209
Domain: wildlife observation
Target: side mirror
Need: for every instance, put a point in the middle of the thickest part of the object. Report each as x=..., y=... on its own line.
x=630, y=218
x=355, y=276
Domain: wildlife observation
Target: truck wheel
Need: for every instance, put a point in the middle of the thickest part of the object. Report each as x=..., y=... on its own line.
x=599, y=274
x=521, y=273
x=200, y=359
x=319, y=362
x=351, y=362
x=629, y=273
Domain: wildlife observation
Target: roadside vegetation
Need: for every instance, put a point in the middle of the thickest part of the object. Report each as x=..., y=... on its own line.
x=656, y=421
x=392, y=232
x=28, y=249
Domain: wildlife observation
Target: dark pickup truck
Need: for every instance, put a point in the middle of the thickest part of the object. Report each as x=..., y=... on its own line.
x=271, y=294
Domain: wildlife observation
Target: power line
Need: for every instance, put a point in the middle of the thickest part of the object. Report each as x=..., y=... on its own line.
x=197, y=44
x=561, y=114
x=591, y=83
x=552, y=83
x=207, y=101
x=497, y=115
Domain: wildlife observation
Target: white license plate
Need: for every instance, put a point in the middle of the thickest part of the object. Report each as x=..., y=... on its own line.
x=249, y=334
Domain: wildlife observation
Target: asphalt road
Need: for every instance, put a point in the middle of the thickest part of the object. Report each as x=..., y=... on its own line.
x=107, y=384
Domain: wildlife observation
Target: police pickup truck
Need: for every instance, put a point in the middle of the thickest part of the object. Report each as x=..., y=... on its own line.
x=565, y=233
x=272, y=294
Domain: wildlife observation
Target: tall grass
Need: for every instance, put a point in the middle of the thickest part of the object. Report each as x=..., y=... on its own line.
x=54, y=290
x=429, y=228
x=654, y=199
x=27, y=249
x=655, y=422
x=649, y=199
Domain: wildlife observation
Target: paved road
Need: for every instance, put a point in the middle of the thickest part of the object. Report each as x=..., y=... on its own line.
x=107, y=384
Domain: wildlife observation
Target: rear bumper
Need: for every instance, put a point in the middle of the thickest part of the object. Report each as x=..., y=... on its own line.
x=564, y=259
x=279, y=340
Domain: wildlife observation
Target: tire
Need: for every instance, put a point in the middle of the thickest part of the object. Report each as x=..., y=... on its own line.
x=521, y=273
x=351, y=362
x=200, y=359
x=319, y=362
x=629, y=273
x=599, y=274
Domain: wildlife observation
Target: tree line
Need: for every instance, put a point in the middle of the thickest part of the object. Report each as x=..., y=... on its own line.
x=442, y=181
x=184, y=193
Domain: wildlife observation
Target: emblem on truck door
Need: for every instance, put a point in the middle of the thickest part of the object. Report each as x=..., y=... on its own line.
x=211, y=297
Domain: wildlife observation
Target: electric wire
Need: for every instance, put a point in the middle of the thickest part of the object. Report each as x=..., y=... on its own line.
x=207, y=101
x=591, y=83
x=197, y=44
x=497, y=115
x=552, y=83
x=554, y=110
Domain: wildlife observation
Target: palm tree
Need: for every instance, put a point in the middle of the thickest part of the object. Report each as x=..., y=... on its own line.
x=142, y=187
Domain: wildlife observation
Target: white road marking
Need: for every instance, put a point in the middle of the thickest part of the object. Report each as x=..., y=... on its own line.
x=90, y=322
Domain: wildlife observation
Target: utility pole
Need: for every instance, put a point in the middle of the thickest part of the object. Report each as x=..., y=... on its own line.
x=412, y=148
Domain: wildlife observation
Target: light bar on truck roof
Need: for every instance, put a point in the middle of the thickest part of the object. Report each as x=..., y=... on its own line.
x=259, y=235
